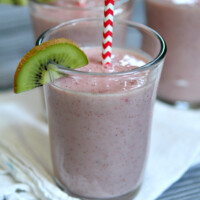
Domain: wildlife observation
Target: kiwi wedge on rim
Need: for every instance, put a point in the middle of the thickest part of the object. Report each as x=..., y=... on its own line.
x=32, y=70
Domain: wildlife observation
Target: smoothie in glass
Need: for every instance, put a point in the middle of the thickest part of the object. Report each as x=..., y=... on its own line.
x=95, y=127
x=178, y=22
x=45, y=16
x=100, y=116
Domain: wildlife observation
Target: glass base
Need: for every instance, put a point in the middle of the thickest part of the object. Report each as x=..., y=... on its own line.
x=128, y=196
x=182, y=105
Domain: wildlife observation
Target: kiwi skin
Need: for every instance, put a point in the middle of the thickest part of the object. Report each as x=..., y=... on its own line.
x=32, y=69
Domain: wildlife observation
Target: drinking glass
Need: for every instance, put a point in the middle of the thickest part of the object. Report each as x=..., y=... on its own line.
x=45, y=15
x=178, y=23
x=100, y=122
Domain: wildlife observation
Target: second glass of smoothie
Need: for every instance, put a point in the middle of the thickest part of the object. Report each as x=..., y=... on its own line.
x=178, y=22
x=100, y=116
x=45, y=15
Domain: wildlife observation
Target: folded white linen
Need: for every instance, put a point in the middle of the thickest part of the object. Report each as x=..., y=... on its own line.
x=25, y=163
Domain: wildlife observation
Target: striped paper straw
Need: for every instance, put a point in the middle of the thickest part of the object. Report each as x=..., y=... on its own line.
x=107, y=32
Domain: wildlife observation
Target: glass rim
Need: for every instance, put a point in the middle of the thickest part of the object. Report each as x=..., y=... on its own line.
x=118, y=3
x=148, y=66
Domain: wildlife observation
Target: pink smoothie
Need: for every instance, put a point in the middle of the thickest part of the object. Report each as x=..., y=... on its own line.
x=44, y=16
x=178, y=22
x=100, y=126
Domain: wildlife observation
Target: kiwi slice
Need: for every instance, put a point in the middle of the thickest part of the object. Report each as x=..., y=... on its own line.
x=32, y=70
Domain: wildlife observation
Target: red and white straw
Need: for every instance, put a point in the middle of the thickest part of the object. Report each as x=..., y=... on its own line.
x=107, y=32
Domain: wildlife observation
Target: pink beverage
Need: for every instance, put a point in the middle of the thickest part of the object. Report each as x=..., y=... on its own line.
x=97, y=132
x=100, y=116
x=45, y=16
x=178, y=22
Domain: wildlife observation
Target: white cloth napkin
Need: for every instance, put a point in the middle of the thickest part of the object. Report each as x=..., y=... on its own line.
x=25, y=164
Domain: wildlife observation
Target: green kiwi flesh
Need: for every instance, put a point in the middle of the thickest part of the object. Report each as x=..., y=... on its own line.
x=34, y=72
